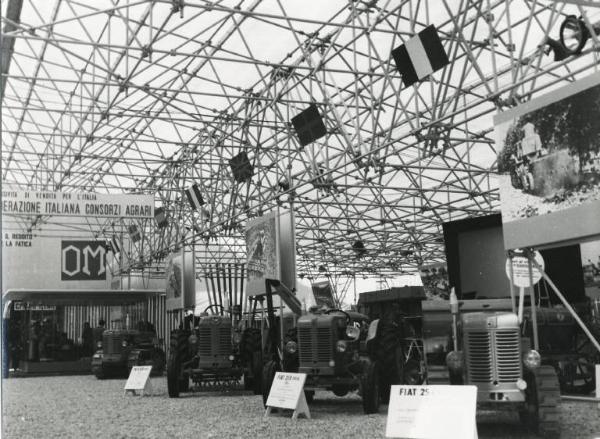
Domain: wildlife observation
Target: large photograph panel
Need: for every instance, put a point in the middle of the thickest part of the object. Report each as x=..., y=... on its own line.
x=262, y=248
x=549, y=167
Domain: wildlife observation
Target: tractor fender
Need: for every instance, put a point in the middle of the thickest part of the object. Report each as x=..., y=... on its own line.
x=372, y=332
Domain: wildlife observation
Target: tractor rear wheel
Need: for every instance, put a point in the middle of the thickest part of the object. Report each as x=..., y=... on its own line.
x=542, y=396
x=251, y=355
x=390, y=357
x=257, y=367
x=177, y=352
x=370, y=388
x=268, y=376
x=100, y=373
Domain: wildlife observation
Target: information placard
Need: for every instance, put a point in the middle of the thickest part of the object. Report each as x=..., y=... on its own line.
x=520, y=270
x=287, y=392
x=138, y=379
x=432, y=412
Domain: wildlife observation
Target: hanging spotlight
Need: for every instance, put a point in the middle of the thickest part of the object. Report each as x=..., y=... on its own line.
x=573, y=35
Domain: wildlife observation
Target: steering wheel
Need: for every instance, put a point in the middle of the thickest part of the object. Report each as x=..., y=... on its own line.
x=216, y=305
x=348, y=318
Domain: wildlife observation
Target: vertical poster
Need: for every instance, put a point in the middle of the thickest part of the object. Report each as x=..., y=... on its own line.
x=180, y=281
x=549, y=167
x=262, y=251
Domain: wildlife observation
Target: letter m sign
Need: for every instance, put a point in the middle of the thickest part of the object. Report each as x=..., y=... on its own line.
x=83, y=260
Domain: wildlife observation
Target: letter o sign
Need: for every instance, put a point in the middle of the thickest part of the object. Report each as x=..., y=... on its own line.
x=66, y=261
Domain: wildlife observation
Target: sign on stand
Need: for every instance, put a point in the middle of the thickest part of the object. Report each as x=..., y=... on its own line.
x=432, y=412
x=138, y=380
x=520, y=270
x=287, y=392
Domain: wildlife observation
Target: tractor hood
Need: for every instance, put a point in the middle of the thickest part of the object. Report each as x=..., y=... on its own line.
x=215, y=321
x=489, y=320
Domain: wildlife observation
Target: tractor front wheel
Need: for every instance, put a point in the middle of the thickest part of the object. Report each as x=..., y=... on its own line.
x=370, y=388
x=268, y=375
x=175, y=381
x=542, y=396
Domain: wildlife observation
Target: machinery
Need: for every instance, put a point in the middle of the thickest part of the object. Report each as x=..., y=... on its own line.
x=215, y=351
x=399, y=346
x=121, y=349
x=335, y=349
x=489, y=352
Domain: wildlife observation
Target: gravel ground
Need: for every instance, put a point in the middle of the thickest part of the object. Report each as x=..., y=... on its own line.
x=84, y=407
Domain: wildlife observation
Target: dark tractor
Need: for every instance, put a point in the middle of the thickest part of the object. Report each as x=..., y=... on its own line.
x=334, y=349
x=214, y=352
x=121, y=349
x=398, y=347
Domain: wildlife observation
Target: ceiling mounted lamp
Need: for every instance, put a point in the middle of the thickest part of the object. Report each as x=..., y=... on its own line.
x=573, y=36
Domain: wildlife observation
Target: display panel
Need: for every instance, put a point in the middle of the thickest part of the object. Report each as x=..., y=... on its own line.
x=549, y=166
x=271, y=251
x=181, y=281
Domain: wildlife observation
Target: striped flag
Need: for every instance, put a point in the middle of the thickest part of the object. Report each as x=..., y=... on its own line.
x=194, y=197
x=160, y=217
x=115, y=245
x=420, y=56
x=134, y=233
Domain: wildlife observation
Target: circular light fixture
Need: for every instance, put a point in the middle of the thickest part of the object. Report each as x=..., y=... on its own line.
x=573, y=34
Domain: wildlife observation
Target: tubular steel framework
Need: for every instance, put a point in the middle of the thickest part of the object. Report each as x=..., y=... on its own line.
x=151, y=96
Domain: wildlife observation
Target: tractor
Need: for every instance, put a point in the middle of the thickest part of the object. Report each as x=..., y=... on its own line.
x=332, y=349
x=212, y=350
x=121, y=349
x=487, y=350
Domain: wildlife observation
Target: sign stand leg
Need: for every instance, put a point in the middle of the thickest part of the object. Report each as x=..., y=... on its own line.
x=267, y=412
x=301, y=408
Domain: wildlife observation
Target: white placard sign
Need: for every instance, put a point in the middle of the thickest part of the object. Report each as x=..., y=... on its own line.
x=432, y=412
x=32, y=203
x=287, y=392
x=138, y=379
x=520, y=270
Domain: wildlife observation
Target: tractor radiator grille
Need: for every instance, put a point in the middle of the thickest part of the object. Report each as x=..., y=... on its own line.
x=204, y=341
x=224, y=341
x=305, y=344
x=214, y=340
x=508, y=356
x=479, y=357
x=112, y=345
x=493, y=356
x=315, y=345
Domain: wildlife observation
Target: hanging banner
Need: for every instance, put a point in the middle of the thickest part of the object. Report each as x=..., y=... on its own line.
x=549, y=167
x=88, y=204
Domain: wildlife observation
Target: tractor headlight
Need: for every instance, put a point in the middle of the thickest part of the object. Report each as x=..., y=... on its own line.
x=341, y=346
x=455, y=361
x=532, y=360
x=124, y=343
x=237, y=338
x=352, y=332
x=231, y=357
x=291, y=347
x=99, y=345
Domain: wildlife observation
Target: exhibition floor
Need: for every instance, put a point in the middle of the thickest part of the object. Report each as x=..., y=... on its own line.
x=82, y=406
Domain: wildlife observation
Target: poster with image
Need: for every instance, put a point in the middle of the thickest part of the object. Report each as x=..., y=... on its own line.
x=590, y=259
x=261, y=242
x=435, y=281
x=549, y=166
